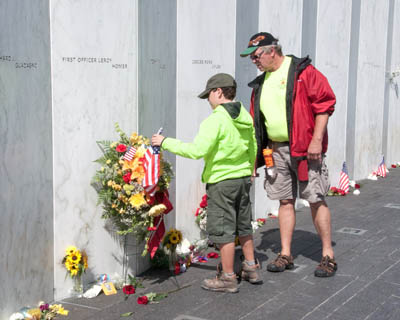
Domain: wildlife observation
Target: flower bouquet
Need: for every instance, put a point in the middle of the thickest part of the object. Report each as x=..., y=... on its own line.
x=132, y=185
x=171, y=240
x=76, y=263
x=201, y=214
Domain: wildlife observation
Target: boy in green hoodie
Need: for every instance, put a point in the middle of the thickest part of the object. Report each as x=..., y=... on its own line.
x=227, y=143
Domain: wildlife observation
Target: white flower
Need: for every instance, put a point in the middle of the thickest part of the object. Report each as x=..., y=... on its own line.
x=254, y=225
x=356, y=192
x=372, y=176
x=352, y=183
x=17, y=316
x=183, y=247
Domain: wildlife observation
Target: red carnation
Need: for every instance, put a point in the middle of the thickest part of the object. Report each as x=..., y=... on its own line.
x=197, y=212
x=143, y=300
x=334, y=189
x=204, y=197
x=121, y=148
x=151, y=228
x=394, y=166
x=357, y=186
x=127, y=177
x=261, y=220
x=129, y=289
x=203, y=203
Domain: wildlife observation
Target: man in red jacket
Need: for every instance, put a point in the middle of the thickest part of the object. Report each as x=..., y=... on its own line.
x=290, y=104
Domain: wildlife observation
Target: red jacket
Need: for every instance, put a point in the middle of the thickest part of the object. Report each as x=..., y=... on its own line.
x=308, y=93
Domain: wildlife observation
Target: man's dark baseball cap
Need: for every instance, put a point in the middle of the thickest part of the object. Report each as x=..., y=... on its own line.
x=260, y=39
x=220, y=80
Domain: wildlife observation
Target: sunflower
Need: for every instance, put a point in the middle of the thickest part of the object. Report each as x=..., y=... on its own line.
x=71, y=250
x=137, y=200
x=68, y=265
x=74, y=258
x=74, y=270
x=174, y=238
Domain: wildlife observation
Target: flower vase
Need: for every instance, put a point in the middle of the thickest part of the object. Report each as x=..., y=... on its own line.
x=78, y=286
x=172, y=259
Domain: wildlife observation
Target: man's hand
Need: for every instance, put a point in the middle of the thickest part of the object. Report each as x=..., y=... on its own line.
x=157, y=139
x=314, y=150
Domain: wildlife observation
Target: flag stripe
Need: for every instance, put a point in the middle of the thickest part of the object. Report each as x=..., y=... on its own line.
x=151, y=164
x=344, y=179
x=130, y=154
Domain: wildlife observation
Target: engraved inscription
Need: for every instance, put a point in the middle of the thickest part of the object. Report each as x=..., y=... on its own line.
x=95, y=60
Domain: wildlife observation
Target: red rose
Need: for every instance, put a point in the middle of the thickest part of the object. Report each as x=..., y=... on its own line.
x=204, y=197
x=334, y=189
x=261, y=220
x=357, y=186
x=121, y=148
x=343, y=193
x=191, y=248
x=203, y=203
x=129, y=289
x=213, y=255
x=143, y=300
x=127, y=177
x=197, y=212
x=394, y=166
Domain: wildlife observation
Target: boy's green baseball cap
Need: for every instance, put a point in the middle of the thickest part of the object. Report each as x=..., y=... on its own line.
x=260, y=39
x=220, y=80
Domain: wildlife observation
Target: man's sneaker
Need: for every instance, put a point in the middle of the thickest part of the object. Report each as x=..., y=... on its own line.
x=221, y=283
x=251, y=273
x=281, y=263
x=326, y=268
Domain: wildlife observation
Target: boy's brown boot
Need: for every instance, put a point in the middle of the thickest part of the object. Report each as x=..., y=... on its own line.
x=251, y=273
x=221, y=283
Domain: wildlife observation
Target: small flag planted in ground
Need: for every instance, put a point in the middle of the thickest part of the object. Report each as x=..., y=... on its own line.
x=344, y=179
x=382, y=169
x=130, y=154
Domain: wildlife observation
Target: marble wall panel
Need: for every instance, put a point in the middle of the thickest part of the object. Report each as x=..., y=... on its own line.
x=26, y=208
x=205, y=46
x=393, y=129
x=333, y=16
x=284, y=21
x=157, y=74
x=370, y=87
x=94, y=81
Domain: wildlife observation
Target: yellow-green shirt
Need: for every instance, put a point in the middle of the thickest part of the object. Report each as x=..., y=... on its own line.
x=273, y=102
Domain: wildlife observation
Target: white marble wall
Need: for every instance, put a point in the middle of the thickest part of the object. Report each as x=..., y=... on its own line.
x=205, y=46
x=370, y=87
x=283, y=21
x=94, y=82
x=26, y=224
x=332, y=59
x=393, y=155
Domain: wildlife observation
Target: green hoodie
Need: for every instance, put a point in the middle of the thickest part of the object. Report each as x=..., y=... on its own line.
x=226, y=142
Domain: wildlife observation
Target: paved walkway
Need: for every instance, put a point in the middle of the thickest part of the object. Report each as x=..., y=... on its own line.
x=366, y=235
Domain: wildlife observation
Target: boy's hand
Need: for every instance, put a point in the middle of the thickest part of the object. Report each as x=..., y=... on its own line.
x=157, y=139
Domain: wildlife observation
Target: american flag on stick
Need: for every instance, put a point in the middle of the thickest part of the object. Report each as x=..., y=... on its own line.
x=130, y=154
x=382, y=169
x=151, y=164
x=344, y=179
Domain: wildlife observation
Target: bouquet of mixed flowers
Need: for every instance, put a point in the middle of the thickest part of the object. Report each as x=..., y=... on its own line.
x=120, y=184
x=75, y=261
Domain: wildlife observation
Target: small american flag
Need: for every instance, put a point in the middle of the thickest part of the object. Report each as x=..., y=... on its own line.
x=130, y=154
x=151, y=164
x=344, y=179
x=382, y=169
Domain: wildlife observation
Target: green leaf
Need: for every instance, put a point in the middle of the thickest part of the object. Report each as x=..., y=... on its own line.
x=127, y=314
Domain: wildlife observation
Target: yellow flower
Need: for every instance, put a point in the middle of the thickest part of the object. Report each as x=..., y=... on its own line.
x=108, y=161
x=157, y=210
x=113, y=206
x=58, y=308
x=71, y=250
x=102, y=169
x=113, y=145
x=122, y=211
x=174, y=238
x=74, y=258
x=35, y=313
x=134, y=138
x=136, y=168
x=137, y=200
x=74, y=270
x=85, y=261
x=110, y=183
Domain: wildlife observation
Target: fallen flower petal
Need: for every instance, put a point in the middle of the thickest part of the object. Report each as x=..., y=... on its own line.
x=213, y=255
